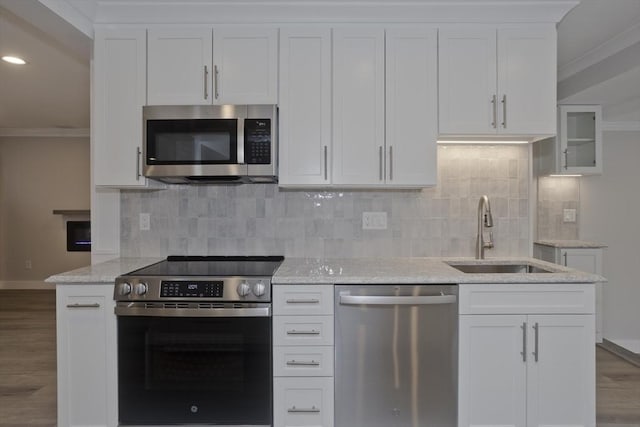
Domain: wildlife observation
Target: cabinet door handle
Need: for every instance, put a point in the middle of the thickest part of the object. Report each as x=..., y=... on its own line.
x=494, y=107
x=303, y=301
x=325, y=163
x=215, y=81
x=566, y=158
x=391, y=163
x=504, y=111
x=536, y=350
x=206, y=78
x=138, y=163
x=312, y=410
x=381, y=165
x=524, y=341
x=295, y=332
x=76, y=305
x=564, y=255
x=302, y=363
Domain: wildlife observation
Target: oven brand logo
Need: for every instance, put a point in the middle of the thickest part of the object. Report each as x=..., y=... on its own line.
x=194, y=409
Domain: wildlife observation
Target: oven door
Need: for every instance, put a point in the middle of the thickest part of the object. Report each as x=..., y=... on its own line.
x=194, y=370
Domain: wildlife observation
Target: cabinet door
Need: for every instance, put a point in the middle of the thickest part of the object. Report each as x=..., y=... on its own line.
x=305, y=106
x=580, y=137
x=245, y=65
x=467, y=81
x=411, y=106
x=492, y=371
x=301, y=402
x=179, y=62
x=358, y=106
x=119, y=82
x=527, y=80
x=561, y=371
x=87, y=369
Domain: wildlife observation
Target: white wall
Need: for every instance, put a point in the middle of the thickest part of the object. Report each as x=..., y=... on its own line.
x=38, y=175
x=610, y=213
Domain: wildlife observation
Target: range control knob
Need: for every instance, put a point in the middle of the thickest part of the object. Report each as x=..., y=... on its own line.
x=124, y=289
x=141, y=288
x=243, y=289
x=258, y=289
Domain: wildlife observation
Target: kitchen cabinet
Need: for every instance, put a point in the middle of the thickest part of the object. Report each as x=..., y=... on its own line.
x=303, y=352
x=577, y=149
x=87, y=361
x=526, y=355
x=497, y=80
x=588, y=260
x=229, y=65
x=305, y=106
x=384, y=107
x=119, y=92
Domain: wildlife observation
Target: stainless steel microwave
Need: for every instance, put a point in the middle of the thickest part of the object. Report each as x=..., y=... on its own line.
x=210, y=143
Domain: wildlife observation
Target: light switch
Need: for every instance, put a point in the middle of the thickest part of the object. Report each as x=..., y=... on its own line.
x=569, y=215
x=374, y=220
x=145, y=221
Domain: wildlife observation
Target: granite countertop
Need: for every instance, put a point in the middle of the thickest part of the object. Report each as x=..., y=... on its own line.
x=358, y=271
x=105, y=272
x=569, y=244
x=418, y=270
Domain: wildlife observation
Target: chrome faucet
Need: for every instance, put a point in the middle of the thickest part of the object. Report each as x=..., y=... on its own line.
x=484, y=220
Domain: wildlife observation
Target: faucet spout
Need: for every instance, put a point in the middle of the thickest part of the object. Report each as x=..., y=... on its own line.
x=485, y=219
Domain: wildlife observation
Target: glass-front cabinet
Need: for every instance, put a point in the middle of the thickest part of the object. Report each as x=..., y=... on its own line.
x=580, y=137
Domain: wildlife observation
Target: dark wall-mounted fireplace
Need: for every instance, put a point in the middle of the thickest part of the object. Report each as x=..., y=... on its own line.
x=78, y=236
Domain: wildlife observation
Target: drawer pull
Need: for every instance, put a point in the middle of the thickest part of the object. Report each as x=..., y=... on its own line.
x=303, y=301
x=302, y=363
x=94, y=305
x=311, y=332
x=312, y=410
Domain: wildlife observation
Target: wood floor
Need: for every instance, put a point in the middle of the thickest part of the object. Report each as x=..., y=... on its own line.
x=28, y=368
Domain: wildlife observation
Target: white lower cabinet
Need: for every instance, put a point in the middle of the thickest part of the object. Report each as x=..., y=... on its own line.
x=524, y=369
x=87, y=364
x=303, y=353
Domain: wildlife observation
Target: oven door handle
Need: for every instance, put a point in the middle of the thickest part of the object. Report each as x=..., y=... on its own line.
x=131, y=310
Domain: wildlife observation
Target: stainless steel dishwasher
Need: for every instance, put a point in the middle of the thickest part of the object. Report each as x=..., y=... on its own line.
x=396, y=355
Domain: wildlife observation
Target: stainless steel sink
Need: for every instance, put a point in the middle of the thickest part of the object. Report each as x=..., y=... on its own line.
x=498, y=268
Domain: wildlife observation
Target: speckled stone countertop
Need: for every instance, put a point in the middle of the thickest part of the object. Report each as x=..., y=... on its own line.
x=570, y=244
x=418, y=270
x=105, y=272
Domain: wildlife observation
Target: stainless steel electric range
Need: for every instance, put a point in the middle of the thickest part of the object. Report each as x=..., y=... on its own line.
x=194, y=342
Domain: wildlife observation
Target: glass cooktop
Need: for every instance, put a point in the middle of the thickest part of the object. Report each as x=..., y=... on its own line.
x=176, y=266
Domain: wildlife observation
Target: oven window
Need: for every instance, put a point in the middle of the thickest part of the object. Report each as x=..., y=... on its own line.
x=180, y=370
x=196, y=141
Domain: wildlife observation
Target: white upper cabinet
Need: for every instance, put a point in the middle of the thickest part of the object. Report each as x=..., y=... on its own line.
x=119, y=82
x=358, y=106
x=497, y=80
x=191, y=66
x=245, y=66
x=411, y=106
x=580, y=135
x=179, y=66
x=305, y=106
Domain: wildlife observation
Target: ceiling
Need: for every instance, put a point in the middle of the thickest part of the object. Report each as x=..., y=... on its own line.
x=598, y=60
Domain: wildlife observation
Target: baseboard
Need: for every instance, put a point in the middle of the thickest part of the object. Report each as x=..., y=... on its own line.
x=26, y=284
x=628, y=355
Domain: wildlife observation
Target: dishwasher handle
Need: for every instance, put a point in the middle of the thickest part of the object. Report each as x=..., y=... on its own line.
x=347, y=299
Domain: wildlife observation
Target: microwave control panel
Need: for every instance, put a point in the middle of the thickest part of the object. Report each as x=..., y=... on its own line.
x=257, y=141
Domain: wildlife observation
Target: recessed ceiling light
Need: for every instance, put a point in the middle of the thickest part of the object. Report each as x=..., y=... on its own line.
x=14, y=60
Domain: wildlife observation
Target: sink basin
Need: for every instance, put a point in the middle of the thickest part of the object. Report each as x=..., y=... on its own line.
x=498, y=268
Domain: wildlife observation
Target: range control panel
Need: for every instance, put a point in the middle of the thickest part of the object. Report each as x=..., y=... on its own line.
x=191, y=289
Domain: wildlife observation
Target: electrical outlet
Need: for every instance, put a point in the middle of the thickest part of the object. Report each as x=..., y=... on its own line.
x=569, y=215
x=145, y=221
x=374, y=220
x=28, y=265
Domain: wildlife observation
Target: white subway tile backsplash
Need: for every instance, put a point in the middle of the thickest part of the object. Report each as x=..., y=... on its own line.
x=264, y=219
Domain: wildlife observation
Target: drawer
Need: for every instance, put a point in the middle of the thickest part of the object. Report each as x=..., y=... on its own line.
x=299, y=361
x=303, y=402
x=302, y=299
x=303, y=330
x=539, y=298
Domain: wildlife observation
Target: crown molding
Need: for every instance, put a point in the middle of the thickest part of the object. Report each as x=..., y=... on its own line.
x=70, y=13
x=364, y=11
x=44, y=132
